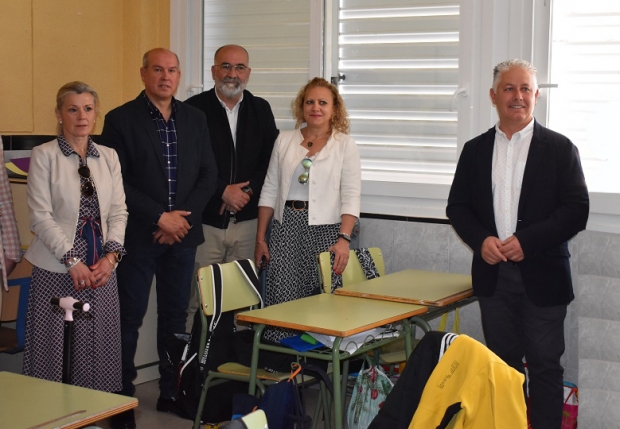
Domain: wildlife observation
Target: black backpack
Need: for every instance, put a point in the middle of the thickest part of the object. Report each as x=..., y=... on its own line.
x=192, y=367
x=283, y=403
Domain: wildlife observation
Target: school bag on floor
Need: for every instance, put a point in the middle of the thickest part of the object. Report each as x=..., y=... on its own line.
x=192, y=366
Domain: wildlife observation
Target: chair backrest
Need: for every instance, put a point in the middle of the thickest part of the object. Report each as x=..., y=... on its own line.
x=238, y=291
x=10, y=304
x=353, y=273
x=14, y=307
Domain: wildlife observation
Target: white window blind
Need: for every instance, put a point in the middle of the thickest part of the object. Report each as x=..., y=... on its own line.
x=585, y=63
x=398, y=66
x=276, y=34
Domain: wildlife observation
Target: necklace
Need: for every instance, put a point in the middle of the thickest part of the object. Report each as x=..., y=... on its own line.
x=309, y=144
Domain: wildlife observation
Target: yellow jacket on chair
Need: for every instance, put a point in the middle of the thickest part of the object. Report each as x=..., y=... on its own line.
x=489, y=391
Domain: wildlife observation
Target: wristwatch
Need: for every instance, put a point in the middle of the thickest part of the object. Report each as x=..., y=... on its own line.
x=247, y=190
x=344, y=236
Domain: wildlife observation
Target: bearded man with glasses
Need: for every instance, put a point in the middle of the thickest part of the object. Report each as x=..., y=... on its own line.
x=242, y=130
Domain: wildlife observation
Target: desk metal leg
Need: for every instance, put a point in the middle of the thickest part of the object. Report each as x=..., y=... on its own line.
x=338, y=414
x=408, y=338
x=327, y=406
x=258, y=332
x=423, y=324
x=345, y=378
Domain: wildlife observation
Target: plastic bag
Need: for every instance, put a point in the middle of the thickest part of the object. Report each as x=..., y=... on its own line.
x=571, y=406
x=369, y=392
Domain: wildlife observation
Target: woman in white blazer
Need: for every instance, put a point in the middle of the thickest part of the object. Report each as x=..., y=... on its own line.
x=311, y=196
x=78, y=215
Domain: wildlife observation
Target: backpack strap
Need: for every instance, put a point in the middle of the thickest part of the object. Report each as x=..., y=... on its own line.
x=218, y=303
x=218, y=295
x=319, y=373
x=249, y=272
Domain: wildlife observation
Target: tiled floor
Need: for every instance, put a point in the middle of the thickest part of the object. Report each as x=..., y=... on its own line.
x=148, y=417
x=146, y=414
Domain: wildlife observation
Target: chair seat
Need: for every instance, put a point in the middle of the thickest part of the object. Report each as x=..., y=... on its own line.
x=393, y=358
x=394, y=353
x=230, y=287
x=238, y=369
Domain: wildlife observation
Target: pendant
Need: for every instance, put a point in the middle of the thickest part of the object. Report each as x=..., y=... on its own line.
x=310, y=144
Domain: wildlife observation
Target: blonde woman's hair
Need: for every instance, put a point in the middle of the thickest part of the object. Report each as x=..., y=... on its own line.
x=75, y=87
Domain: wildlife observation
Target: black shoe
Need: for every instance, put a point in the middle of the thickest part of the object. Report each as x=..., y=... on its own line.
x=125, y=420
x=168, y=406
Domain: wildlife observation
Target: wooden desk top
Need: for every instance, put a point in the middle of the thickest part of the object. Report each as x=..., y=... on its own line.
x=414, y=287
x=339, y=316
x=33, y=403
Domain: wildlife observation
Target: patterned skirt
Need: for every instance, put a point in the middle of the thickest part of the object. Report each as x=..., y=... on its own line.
x=293, y=271
x=96, y=357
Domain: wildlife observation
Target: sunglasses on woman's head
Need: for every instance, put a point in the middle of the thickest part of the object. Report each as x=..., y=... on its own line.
x=304, y=177
x=87, y=187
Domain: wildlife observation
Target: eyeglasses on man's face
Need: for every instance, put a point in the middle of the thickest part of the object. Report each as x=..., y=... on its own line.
x=227, y=67
x=87, y=187
x=304, y=177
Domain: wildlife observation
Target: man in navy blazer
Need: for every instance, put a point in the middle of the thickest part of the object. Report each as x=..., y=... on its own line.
x=169, y=174
x=518, y=196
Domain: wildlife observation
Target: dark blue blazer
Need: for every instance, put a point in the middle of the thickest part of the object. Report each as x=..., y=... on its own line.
x=553, y=207
x=130, y=130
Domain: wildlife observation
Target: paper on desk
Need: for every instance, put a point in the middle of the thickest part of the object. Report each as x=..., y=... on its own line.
x=352, y=343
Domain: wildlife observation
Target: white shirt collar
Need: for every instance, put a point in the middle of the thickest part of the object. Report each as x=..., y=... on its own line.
x=236, y=106
x=522, y=133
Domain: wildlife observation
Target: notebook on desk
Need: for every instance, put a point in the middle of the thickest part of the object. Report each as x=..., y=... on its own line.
x=300, y=345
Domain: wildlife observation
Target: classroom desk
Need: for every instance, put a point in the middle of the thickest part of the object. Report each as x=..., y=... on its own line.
x=441, y=292
x=334, y=315
x=29, y=402
x=414, y=287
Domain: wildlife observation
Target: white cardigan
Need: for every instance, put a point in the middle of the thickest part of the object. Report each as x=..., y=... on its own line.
x=335, y=177
x=54, y=202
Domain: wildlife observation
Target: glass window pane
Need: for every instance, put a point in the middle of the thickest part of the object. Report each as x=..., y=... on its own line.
x=400, y=67
x=585, y=63
x=276, y=34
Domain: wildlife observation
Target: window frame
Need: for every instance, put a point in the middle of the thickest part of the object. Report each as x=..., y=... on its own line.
x=392, y=197
x=485, y=42
x=604, y=207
